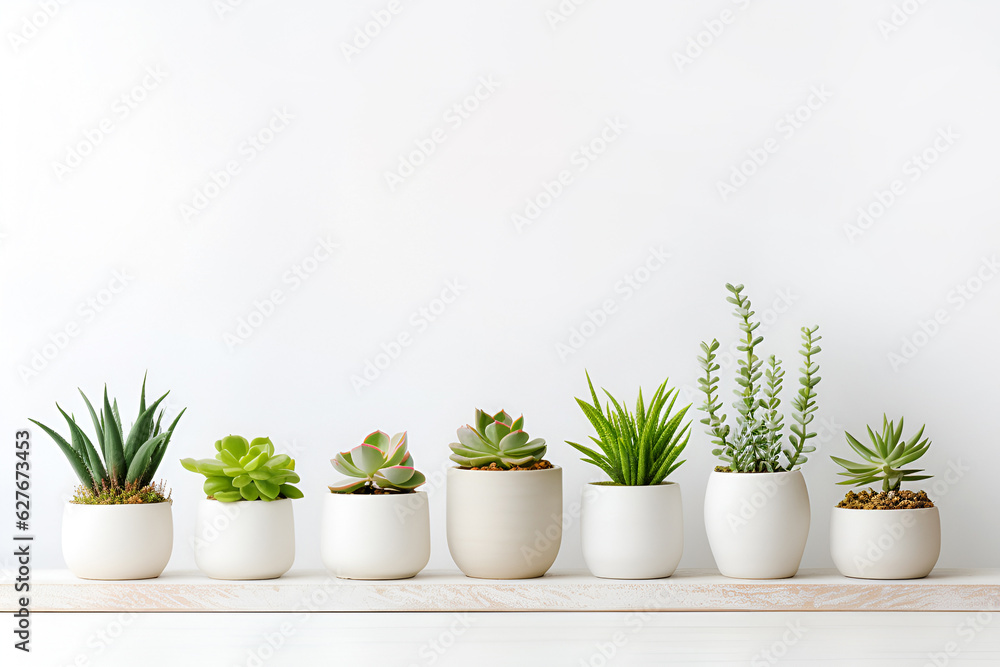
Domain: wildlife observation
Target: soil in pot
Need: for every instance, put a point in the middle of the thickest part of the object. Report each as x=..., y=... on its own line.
x=885, y=500
x=537, y=465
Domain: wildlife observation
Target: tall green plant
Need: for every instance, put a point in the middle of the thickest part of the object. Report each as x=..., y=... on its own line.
x=757, y=442
x=639, y=449
x=123, y=461
x=884, y=460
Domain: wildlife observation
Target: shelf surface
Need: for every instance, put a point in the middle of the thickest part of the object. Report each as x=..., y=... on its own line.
x=686, y=590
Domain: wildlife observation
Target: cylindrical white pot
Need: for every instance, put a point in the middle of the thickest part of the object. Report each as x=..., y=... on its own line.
x=504, y=524
x=384, y=536
x=757, y=523
x=247, y=539
x=632, y=532
x=117, y=541
x=885, y=544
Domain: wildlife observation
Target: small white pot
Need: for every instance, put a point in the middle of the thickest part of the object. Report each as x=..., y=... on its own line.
x=632, y=532
x=117, y=541
x=757, y=523
x=885, y=544
x=246, y=539
x=384, y=536
x=504, y=524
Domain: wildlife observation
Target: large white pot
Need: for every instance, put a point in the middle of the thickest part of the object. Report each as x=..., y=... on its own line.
x=885, y=544
x=504, y=524
x=632, y=532
x=246, y=539
x=757, y=523
x=385, y=536
x=117, y=541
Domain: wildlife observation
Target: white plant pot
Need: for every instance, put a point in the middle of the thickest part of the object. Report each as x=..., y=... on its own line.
x=384, y=536
x=504, y=524
x=245, y=539
x=632, y=532
x=117, y=541
x=757, y=523
x=885, y=544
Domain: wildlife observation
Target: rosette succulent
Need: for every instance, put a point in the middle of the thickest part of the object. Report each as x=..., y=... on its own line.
x=884, y=460
x=496, y=439
x=378, y=462
x=246, y=471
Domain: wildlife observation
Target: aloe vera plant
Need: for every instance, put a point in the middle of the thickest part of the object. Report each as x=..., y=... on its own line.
x=639, y=449
x=244, y=470
x=122, y=462
x=378, y=462
x=496, y=439
x=757, y=442
x=885, y=459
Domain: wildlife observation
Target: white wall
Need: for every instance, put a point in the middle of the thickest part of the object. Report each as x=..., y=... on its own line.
x=683, y=128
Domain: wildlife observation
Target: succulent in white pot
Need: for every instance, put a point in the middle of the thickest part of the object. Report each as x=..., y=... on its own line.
x=119, y=523
x=376, y=524
x=756, y=504
x=504, y=507
x=632, y=526
x=892, y=533
x=245, y=527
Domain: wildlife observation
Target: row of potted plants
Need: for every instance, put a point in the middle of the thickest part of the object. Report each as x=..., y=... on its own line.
x=504, y=499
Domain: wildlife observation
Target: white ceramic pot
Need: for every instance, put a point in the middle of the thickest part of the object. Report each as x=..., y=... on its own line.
x=885, y=544
x=632, y=532
x=375, y=536
x=504, y=524
x=246, y=539
x=757, y=523
x=117, y=541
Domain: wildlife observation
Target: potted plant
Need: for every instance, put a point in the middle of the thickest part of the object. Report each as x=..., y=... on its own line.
x=504, y=501
x=892, y=533
x=376, y=525
x=633, y=525
x=118, y=524
x=245, y=527
x=757, y=505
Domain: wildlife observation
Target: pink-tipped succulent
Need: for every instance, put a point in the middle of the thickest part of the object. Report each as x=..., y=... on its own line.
x=379, y=462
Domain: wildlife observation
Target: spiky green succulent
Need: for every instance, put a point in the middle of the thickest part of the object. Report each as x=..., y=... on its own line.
x=379, y=461
x=244, y=470
x=496, y=439
x=123, y=461
x=640, y=449
x=885, y=459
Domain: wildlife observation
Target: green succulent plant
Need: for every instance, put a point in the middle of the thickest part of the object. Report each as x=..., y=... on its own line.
x=496, y=439
x=884, y=461
x=379, y=461
x=757, y=442
x=244, y=470
x=640, y=449
x=124, y=462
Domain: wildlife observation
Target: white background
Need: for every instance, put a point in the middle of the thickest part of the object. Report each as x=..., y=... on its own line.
x=64, y=232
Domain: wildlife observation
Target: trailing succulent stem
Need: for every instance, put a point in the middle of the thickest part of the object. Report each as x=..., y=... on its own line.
x=244, y=470
x=123, y=462
x=885, y=459
x=379, y=462
x=639, y=449
x=755, y=444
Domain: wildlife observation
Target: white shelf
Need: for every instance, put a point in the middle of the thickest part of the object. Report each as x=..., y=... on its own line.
x=687, y=590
